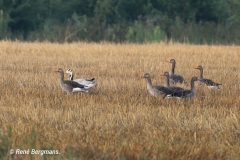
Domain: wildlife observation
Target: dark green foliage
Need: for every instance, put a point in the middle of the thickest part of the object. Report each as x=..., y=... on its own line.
x=194, y=21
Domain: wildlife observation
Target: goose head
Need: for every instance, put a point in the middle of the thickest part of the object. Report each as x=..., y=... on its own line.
x=195, y=78
x=59, y=70
x=70, y=72
x=164, y=74
x=171, y=61
x=146, y=75
x=198, y=67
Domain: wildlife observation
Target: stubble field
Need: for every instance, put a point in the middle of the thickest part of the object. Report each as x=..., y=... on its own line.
x=117, y=119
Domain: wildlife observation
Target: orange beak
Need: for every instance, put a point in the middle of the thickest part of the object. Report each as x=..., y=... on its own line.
x=56, y=71
x=142, y=76
x=195, y=67
x=162, y=74
x=168, y=61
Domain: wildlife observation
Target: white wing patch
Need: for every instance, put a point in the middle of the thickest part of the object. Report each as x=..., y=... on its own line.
x=79, y=90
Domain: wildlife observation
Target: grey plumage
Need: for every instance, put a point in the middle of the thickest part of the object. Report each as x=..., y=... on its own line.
x=156, y=90
x=68, y=85
x=173, y=88
x=205, y=81
x=185, y=93
x=88, y=83
x=175, y=78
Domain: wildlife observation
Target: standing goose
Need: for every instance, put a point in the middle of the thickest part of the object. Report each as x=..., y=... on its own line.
x=68, y=85
x=205, y=81
x=175, y=78
x=174, y=88
x=185, y=93
x=89, y=83
x=156, y=91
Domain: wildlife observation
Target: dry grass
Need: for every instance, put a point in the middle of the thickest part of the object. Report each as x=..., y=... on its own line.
x=118, y=119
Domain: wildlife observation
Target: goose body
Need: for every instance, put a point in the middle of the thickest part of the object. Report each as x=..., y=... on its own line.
x=173, y=88
x=185, y=93
x=68, y=85
x=175, y=78
x=156, y=90
x=88, y=83
x=204, y=81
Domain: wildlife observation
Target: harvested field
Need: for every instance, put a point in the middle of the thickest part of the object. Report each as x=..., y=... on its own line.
x=118, y=118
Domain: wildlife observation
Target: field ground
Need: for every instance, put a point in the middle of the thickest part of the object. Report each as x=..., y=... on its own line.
x=117, y=119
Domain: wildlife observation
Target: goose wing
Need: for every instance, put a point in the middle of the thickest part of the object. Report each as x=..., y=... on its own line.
x=176, y=89
x=181, y=94
x=83, y=81
x=73, y=84
x=209, y=82
x=175, y=78
x=162, y=90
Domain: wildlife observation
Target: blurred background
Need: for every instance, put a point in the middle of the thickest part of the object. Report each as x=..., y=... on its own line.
x=138, y=21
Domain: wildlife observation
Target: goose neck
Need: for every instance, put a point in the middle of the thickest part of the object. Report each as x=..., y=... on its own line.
x=149, y=82
x=61, y=77
x=71, y=76
x=173, y=68
x=201, y=73
x=167, y=81
x=192, y=84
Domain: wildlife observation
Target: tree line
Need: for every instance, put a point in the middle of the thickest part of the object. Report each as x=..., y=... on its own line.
x=189, y=21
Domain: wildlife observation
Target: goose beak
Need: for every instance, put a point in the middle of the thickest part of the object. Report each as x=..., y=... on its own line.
x=56, y=71
x=142, y=76
x=162, y=74
x=195, y=67
x=168, y=61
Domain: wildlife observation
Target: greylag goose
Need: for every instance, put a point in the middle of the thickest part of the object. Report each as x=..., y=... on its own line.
x=205, y=81
x=175, y=78
x=185, y=93
x=68, y=85
x=174, y=88
x=155, y=90
x=86, y=82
